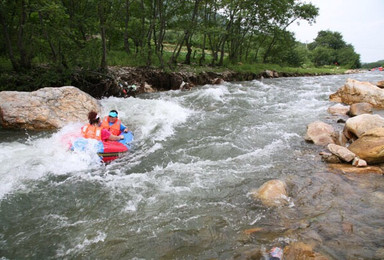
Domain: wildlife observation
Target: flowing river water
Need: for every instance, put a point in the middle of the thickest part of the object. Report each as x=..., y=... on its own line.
x=183, y=192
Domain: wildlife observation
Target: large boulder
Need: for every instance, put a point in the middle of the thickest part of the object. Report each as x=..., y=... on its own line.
x=370, y=146
x=46, y=108
x=320, y=133
x=358, y=125
x=356, y=92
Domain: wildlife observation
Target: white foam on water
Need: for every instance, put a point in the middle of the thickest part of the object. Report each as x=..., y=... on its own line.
x=154, y=119
x=81, y=244
x=36, y=158
x=213, y=93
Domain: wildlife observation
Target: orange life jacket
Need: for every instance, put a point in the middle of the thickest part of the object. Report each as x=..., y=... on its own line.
x=114, y=129
x=90, y=131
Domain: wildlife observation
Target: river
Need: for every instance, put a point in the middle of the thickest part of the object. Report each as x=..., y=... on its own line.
x=183, y=192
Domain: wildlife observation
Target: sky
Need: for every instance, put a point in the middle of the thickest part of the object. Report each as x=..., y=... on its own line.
x=360, y=22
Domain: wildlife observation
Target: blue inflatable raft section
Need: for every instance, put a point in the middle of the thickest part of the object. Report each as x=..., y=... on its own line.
x=83, y=144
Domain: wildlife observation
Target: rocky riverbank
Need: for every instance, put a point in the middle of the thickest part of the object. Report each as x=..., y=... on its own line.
x=130, y=81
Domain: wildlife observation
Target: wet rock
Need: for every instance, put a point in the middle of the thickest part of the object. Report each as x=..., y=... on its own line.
x=348, y=168
x=271, y=193
x=320, y=133
x=347, y=227
x=380, y=84
x=329, y=157
x=341, y=121
x=46, y=108
x=300, y=250
x=338, y=109
x=251, y=231
x=356, y=92
x=357, y=162
x=217, y=81
x=148, y=88
x=340, y=138
x=358, y=125
x=186, y=86
x=342, y=152
x=360, y=108
x=370, y=146
x=252, y=254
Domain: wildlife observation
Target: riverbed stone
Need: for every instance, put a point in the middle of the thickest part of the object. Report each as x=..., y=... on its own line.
x=46, y=108
x=348, y=168
x=320, y=133
x=342, y=152
x=338, y=109
x=300, y=250
x=358, y=125
x=360, y=108
x=380, y=84
x=370, y=146
x=357, y=162
x=329, y=157
x=272, y=193
x=355, y=91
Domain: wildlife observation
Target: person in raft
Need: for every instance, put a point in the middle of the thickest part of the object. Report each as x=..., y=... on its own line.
x=113, y=124
x=95, y=131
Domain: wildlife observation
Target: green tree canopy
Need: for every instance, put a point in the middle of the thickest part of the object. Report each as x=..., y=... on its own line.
x=329, y=48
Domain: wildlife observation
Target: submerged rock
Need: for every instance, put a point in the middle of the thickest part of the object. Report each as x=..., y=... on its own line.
x=271, y=193
x=46, y=108
x=348, y=168
x=300, y=250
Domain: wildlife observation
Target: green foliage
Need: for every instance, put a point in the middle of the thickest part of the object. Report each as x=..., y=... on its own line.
x=329, y=48
x=70, y=35
x=375, y=64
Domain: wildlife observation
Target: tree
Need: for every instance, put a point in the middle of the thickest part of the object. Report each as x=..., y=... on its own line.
x=329, y=48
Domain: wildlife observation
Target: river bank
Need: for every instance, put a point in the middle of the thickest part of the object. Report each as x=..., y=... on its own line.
x=120, y=80
x=130, y=81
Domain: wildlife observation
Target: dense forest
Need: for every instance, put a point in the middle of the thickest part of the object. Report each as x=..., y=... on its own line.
x=72, y=35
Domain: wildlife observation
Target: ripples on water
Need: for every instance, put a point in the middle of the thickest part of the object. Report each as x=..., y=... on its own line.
x=183, y=191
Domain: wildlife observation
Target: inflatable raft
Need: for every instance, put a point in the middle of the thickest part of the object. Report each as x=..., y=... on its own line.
x=108, y=150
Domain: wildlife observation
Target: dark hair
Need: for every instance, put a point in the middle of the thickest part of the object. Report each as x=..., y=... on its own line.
x=113, y=111
x=93, y=117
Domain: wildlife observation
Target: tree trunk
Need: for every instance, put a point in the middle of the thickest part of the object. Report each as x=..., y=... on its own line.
x=188, y=37
x=126, y=21
x=25, y=62
x=46, y=35
x=102, y=19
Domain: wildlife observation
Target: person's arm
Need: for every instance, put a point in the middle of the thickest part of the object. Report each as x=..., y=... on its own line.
x=115, y=137
x=106, y=135
x=123, y=128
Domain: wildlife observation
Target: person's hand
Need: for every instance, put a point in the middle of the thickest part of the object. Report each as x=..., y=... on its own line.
x=121, y=137
x=126, y=130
